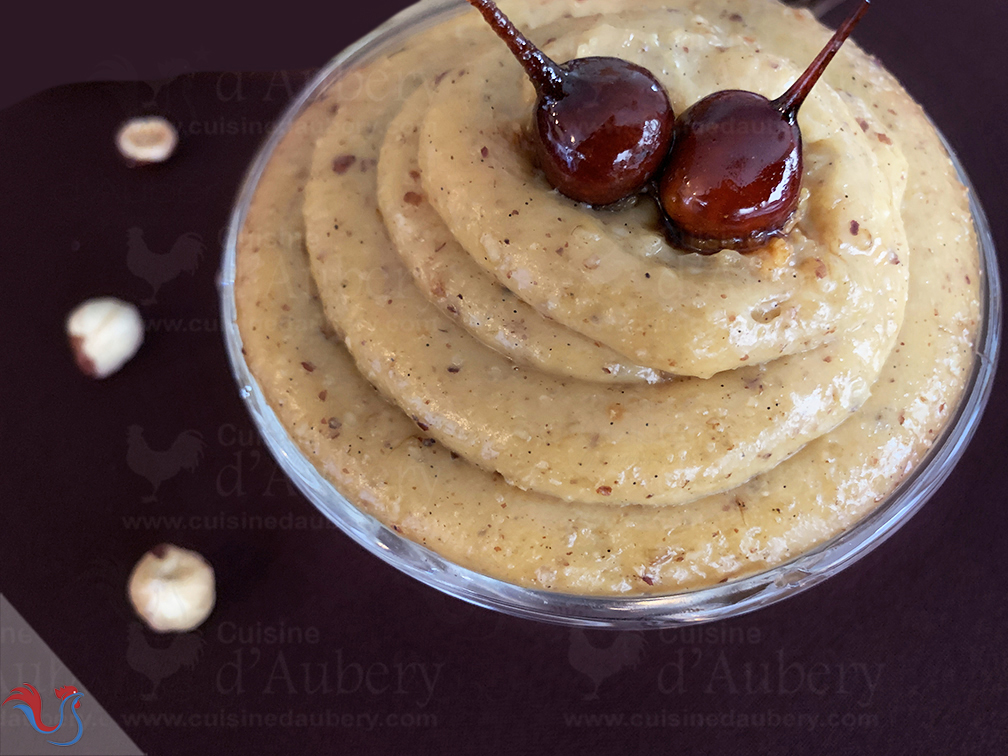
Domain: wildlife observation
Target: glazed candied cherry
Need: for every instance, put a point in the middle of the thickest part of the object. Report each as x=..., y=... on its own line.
x=733, y=176
x=603, y=125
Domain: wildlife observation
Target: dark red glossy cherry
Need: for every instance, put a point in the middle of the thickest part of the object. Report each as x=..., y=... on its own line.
x=734, y=173
x=603, y=125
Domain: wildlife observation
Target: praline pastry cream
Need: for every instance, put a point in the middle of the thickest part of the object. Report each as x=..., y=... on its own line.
x=645, y=420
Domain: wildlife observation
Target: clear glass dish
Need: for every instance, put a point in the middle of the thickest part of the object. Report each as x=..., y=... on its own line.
x=724, y=600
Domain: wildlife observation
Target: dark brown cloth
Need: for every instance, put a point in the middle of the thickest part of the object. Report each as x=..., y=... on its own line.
x=315, y=645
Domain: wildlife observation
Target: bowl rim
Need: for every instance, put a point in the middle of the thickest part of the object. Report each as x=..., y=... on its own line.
x=723, y=600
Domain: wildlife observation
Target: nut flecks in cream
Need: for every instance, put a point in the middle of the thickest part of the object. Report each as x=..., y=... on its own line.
x=606, y=482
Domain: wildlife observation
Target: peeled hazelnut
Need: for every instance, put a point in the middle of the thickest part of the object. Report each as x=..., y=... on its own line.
x=104, y=334
x=172, y=589
x=151, y=139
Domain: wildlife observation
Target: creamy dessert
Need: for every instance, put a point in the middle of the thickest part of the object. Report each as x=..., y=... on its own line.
x=553, y=394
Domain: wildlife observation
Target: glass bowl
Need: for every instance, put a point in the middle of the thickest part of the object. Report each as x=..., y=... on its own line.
x=699, y=605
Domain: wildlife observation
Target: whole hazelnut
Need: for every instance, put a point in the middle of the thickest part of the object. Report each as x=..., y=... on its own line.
x=149, y=139
x=104, y=334
x=172, y=589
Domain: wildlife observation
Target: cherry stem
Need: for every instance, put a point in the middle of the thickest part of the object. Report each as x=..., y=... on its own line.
x=789, y=102
x=546, y=76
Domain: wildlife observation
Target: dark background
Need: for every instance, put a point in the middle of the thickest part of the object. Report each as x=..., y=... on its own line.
x=904, y=652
